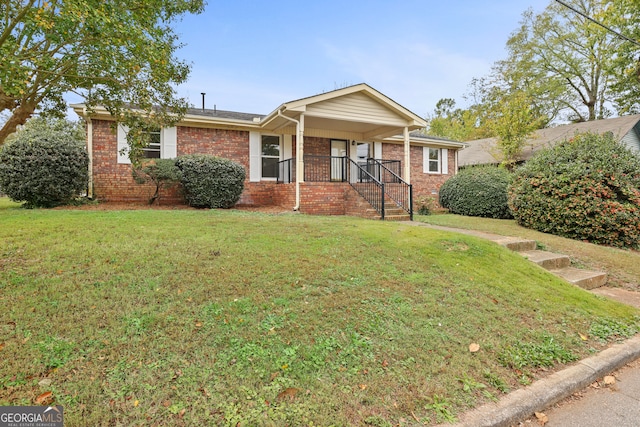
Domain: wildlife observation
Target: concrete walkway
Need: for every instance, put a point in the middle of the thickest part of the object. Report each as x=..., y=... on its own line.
x=580, y=395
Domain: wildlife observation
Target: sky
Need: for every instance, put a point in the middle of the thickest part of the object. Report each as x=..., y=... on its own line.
x=252, y=56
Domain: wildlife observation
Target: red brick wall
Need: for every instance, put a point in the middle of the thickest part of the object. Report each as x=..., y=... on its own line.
x=113, y=182
x=424, y=184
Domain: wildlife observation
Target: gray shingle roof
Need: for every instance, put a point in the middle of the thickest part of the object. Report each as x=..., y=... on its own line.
x=482, y=151
x=223, y=114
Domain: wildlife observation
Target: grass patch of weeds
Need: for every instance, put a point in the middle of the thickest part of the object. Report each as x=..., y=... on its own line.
x=542, y=354
x=607, y=329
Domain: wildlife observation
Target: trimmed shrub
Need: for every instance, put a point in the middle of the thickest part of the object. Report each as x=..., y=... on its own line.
x=477, y=191
x=209, y=181
x=43, y=172
x=585, y=188
x=162, y=173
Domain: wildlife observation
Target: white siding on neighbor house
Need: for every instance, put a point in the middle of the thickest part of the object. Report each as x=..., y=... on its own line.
x=355, y=107
x=255, y=156
x=632, y=139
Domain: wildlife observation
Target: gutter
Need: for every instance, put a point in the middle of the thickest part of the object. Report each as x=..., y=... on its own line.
x=298, y=151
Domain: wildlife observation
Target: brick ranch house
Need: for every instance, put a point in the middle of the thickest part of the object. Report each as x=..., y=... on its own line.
x=345, y=152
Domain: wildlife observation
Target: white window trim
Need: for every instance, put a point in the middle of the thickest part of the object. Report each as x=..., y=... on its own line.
x=255, y=154
x=443, y=161
x=270, y=157
x=168, y=143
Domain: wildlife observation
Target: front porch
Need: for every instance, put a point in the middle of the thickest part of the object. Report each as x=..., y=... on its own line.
x=380, y=192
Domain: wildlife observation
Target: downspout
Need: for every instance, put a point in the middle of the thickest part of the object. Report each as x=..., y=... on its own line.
x=407, y=156
x=89, y=151
x=299, y=165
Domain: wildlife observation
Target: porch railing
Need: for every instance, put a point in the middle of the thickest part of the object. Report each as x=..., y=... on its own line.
x=371, y=179
x=396, y=188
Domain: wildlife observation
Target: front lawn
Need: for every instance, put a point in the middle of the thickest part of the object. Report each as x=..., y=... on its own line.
x=194, y=317
x=623, y=265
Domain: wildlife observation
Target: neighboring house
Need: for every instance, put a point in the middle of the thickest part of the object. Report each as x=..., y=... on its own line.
x=625, y=129
x=340, y=152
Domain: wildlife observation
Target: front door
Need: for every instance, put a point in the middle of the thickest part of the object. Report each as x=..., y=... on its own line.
x=338, y=157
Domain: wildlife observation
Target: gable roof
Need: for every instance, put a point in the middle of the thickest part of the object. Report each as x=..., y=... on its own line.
x=484, y=151
x=356, y=112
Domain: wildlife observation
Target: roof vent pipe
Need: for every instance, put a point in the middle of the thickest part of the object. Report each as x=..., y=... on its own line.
x=203, y=94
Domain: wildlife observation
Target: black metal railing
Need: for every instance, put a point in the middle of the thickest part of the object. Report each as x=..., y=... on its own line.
x=371, y=179
x=396, y=188
x=286, y=171
x=367, y=185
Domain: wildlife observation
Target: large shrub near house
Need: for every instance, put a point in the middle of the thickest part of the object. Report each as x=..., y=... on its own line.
x=43, y=168
x=585, y=188
x=477, y=191
x=209, y=181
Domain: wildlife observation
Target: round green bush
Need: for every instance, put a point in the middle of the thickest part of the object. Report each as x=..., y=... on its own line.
x=43, y=171
x=477, y=191
x=209, y=181
x=585, y=188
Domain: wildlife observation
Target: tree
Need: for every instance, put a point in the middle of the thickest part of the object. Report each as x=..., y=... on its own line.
x=512, y=121
x=454, y=123
x=162, y=173
x=117, y=54
x=625, y=18
x=561, y=60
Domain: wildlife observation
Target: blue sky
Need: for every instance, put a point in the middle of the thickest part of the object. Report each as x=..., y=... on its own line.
x=252, y=56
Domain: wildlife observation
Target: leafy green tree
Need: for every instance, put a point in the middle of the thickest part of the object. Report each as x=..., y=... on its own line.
x=625, y=18
x=115, y=53
x=561, y=60
x=454, y=123
x=512, y=122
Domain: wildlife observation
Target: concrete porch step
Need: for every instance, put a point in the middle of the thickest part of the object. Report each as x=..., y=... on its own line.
x=583, y=278
x=547, y=260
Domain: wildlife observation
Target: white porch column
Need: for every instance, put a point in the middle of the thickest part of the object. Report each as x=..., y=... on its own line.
x=299, y=159
x=407, y=156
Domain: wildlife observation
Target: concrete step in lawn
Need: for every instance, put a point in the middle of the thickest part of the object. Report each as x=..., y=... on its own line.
x=583, y=278
x=555, y=263
x=547, y=260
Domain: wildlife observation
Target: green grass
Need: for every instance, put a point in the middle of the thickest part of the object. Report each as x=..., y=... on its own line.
x=189, y=317
x=622, y=265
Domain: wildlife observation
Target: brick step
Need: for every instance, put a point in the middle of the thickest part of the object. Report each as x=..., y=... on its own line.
x=583, y=278
x=547, y=260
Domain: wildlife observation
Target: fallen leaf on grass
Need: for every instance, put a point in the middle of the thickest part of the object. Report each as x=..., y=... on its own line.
x=583, y=337
x=474, y=347
x=45, y=398
x=542, y=418
x=136, y=403
x=362, y=386
x=166, y=403
x=182, y=412
x=289, y=393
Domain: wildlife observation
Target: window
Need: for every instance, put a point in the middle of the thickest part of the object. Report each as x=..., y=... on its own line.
x=434, y=160
x=163, y=144
x=270, y=156
x=152, y=151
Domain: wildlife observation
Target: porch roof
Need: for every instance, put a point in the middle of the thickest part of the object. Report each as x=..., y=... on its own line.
x=355, y=112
